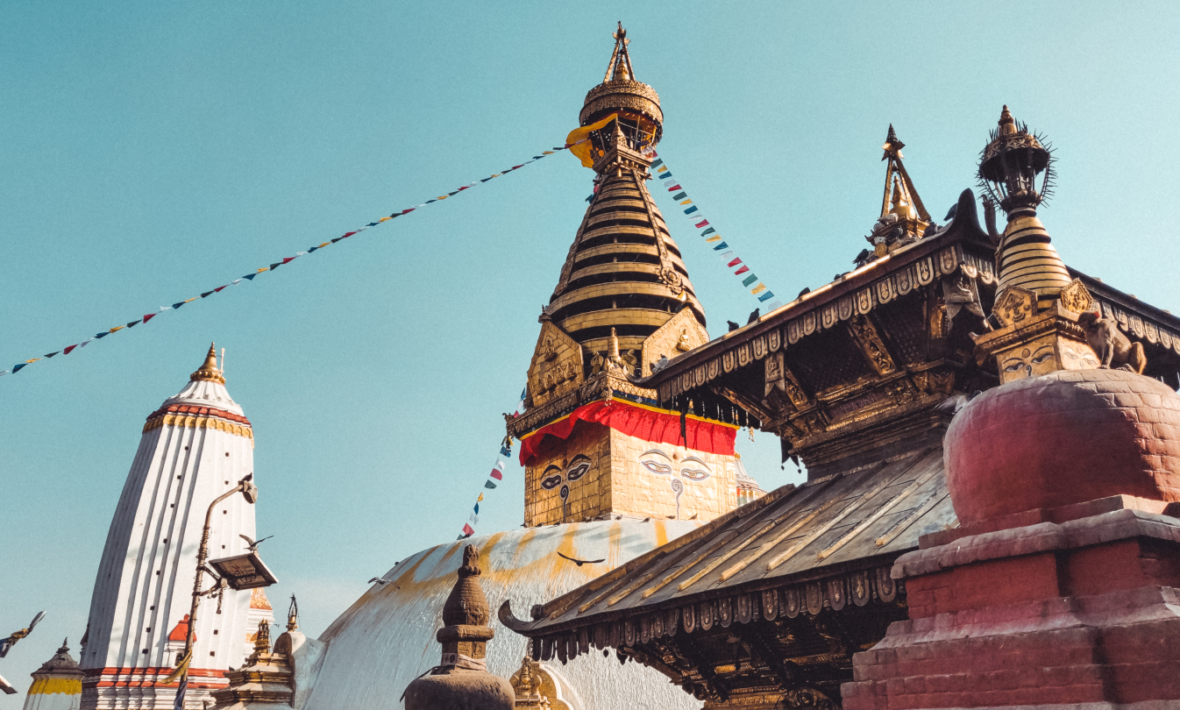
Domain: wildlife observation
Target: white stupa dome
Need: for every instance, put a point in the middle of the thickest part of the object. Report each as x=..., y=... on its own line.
x=387, y=637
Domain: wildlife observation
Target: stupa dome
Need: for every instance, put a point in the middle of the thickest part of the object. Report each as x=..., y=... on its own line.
x=386, y=639
x=1066, y=437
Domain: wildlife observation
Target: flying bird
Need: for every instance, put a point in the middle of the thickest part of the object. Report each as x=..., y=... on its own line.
x=581, y=562
x=381, y=582
x=253, y=544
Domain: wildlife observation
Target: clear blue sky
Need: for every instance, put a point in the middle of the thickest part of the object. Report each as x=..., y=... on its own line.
x=150, y=151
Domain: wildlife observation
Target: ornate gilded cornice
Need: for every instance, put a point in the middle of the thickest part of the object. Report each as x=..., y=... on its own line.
x=184, y=415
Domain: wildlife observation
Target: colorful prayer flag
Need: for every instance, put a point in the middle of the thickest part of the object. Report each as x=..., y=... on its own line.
x=497, y=475
x=486, y=484
x=749, y=280
x=742, y=270
x=758, y=289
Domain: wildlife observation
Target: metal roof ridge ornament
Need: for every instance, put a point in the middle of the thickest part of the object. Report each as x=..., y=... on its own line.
x=904, y=218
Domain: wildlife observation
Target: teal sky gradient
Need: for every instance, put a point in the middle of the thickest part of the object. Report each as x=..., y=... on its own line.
x=151, y=151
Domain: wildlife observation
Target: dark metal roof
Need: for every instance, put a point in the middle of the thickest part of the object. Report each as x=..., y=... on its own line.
x=848, y=521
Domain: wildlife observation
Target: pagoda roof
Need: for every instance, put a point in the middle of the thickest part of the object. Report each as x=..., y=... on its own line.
x=961, y=245
x=834, y=538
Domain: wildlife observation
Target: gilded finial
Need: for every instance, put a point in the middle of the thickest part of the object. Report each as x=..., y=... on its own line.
x=893, y=144
x=209, y=371
x=293, y=615
x=1007, y=123
x=613, y=353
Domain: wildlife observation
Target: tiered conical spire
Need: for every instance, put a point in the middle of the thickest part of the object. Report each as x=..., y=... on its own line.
x=623, y=271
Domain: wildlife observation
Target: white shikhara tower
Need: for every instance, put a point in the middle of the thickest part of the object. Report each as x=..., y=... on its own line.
x=195, y=447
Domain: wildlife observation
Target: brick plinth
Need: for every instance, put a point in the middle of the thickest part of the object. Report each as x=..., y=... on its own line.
x=1078, y=610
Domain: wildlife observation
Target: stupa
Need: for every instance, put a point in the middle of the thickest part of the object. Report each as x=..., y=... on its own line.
x=609, y=475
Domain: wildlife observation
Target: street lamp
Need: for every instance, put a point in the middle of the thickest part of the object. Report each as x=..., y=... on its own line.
x=250, y=492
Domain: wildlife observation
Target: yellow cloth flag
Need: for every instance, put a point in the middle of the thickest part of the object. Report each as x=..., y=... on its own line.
x=582, y=150
x=179, y=670
x=759, y=288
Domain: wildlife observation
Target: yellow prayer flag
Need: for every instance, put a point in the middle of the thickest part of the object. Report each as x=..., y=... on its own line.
x=30, y=362
x=759, y=288
x=384, y=219
x=117, y=328
x=548, y=152
x=686, y=202
x=190, y=300
x=714, y=238
x=324, y=244
x=582, y=150
x=480, y=498
x=179, y=670
x=263, y=269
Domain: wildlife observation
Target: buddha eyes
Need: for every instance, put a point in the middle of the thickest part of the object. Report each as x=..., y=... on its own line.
x=578, y=470
x=660, y=469
x=1041, y=358
x=551, y=482
x=694, y=474
x=1016, y=365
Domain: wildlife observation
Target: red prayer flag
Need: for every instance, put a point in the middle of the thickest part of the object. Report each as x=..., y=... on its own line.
x=288, y=259
x=468, y=530
x=409, y=210
x=149, y=316
x=219, y=288
x=348, y=235
x=674, y=188
x=742, y=270
x=67, y=350
x=497, y=475
x=735, y=262
x=702, y=223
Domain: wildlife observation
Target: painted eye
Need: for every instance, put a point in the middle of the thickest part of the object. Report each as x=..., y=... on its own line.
x=551, y=482
x=694, y=474
x=1016, y=365
x=660, y=469
x=577, y=471
x=1041, y=358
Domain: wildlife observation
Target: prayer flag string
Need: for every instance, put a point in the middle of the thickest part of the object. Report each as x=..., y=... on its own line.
x=281, y=262
x=496, y=476
x=691, y=210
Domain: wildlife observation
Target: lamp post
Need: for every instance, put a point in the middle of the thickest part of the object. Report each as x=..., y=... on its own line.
x=250, y=493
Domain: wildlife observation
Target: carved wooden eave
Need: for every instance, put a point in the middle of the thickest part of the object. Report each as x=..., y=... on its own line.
x=778, y=593
x=879, y=385
x=603, y=386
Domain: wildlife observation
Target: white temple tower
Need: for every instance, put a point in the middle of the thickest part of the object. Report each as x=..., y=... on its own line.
x=195, y=447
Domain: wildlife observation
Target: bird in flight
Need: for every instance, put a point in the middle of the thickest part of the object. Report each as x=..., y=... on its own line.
x=253, y=544
x=581, y=562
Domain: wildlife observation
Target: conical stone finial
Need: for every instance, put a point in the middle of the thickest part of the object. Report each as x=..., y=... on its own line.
x=461, y=680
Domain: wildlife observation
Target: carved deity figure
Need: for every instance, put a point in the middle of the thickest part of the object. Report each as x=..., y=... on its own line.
x=1114, y=349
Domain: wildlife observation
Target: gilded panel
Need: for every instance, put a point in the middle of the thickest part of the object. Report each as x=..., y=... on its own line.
x=925, y=270
x=774, y=340
x=864, y=301
x=885, y=292
x=681, y=333
x=556, y=368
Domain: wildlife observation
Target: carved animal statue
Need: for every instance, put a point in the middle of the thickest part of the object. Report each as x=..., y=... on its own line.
x=1114, y=349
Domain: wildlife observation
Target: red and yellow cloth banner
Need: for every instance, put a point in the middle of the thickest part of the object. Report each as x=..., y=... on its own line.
x=641, y=421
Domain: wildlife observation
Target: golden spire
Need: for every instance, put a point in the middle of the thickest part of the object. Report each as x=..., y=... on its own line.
x=209, y=371
x=619, y=68
x=1008, y=170
x=613, y=353
x=1007, y=123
